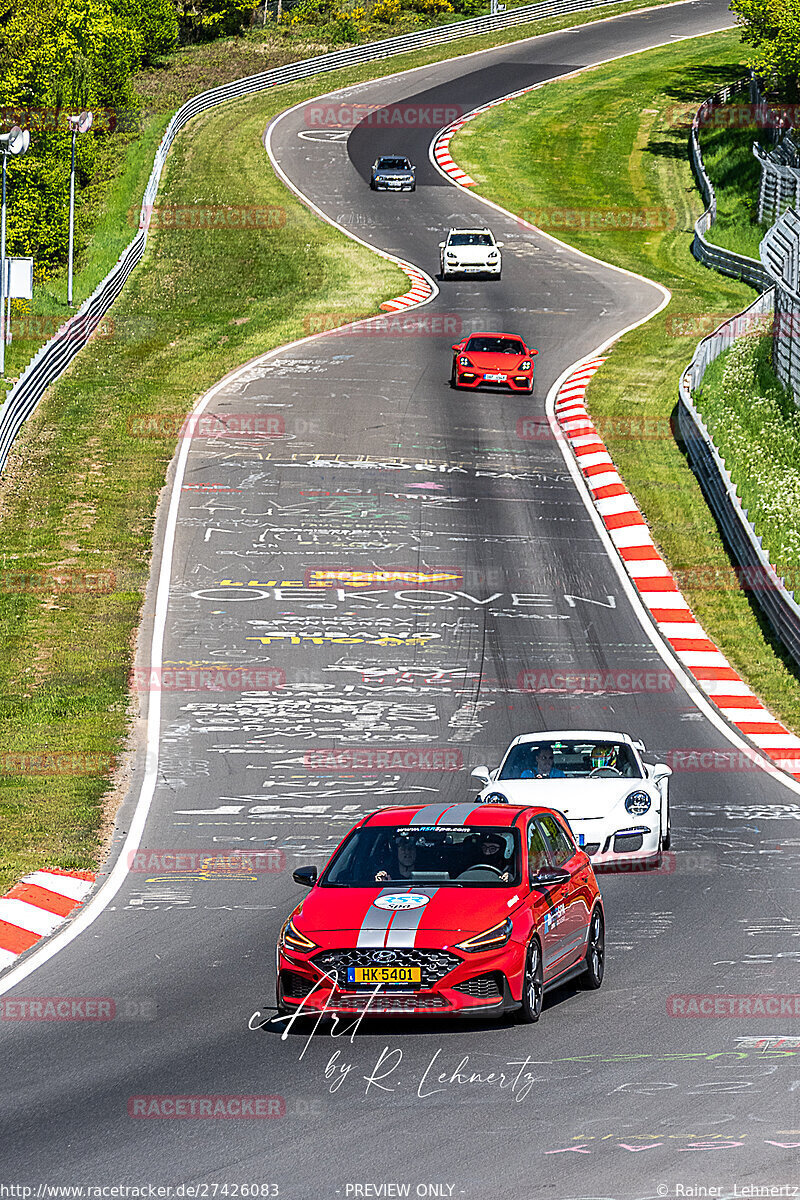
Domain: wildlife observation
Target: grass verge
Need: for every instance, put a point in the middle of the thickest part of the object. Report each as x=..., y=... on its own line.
x=605, y=141
x=727, y=149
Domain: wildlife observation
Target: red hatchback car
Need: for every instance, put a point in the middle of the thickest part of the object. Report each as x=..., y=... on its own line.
x=444, y=910
x=498, y=359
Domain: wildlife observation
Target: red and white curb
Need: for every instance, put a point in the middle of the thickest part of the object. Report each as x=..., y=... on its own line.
x=440, y=150
x=657, y=586
x=38, y=905
x=420, y=290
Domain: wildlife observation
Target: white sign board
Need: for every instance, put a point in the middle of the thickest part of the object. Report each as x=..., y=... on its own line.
x=18, y=281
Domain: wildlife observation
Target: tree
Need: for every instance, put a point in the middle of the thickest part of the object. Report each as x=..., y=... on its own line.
x=772, y=28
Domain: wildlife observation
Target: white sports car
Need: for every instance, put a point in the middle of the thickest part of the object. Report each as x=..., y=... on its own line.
x=470, y=252
x=616, y=804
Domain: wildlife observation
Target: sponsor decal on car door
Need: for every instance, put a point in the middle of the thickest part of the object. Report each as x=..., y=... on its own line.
x=569, y=911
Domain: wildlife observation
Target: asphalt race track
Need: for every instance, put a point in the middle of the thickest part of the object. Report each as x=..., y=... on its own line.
x=380, y=465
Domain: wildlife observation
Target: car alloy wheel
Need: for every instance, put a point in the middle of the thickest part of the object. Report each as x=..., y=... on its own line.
x=532, y=985
x=595, y=951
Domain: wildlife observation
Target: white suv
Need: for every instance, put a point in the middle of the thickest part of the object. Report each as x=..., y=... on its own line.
x=470, y=252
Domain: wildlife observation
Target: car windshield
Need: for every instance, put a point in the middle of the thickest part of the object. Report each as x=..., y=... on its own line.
x=470, y=239
x=570, y=760
x=495, y=345
x=393, y=164
x=440, y=856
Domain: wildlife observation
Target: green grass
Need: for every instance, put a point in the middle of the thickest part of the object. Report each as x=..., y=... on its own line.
x=735, y=173
x=756, y=428
x=608, y=140
x=79, y=492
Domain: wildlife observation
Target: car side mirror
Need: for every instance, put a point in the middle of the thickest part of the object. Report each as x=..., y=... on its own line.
x=483, y=774
x=306, y=876
x=550, y=877
x=661, y=771
x=499, y=245
x=533, y=353
x=442, y=245
x=458, y=347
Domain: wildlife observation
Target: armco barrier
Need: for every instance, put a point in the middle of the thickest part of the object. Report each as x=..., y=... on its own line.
x=780, y=254
x=727, y=262
x=55, y=356
x=775, y=600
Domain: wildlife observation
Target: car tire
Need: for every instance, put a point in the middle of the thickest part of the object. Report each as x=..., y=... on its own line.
x=281, y=1009
x=453, y=383
x=532, y=984
x=595, y=952
x=413, y=187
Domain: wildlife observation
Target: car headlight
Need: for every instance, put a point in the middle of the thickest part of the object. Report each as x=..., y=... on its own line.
x=638, y=803
x=525, y=366
x=292, y=939
x=495, y=798
x=463, y=361
x=490, y=939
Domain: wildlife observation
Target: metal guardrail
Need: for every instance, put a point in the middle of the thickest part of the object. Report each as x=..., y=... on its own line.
x=757, y=574
x=780, y=179
x=727, y=262
x=780, y=254
x=54, y=357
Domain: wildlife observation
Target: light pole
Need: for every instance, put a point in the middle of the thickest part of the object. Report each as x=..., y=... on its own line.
x=78, y=124
x=15, y=142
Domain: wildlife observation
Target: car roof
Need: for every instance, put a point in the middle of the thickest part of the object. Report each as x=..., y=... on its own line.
x=578, y=735
x=476, y=229
x=404, y=157
x=491, y=333
x=468, y=814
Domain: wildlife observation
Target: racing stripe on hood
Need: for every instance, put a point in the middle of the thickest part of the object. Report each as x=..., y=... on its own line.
x=402, y=931
x=386, y=928
x=376, y=921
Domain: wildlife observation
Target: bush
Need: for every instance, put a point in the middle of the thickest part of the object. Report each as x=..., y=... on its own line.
x=156, y=21
x=387, y=11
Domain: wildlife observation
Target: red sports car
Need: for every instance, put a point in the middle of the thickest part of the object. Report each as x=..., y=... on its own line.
x=444, y=909
x=497, y=359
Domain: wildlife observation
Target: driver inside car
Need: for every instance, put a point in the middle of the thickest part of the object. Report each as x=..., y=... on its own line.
x=491, y=852
x=403, y=864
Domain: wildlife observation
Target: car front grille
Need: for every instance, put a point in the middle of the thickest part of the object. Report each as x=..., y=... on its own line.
x=485, y=987
x=433, y=964
x=296, y=987
x=627, y=843
x=386, y=1003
